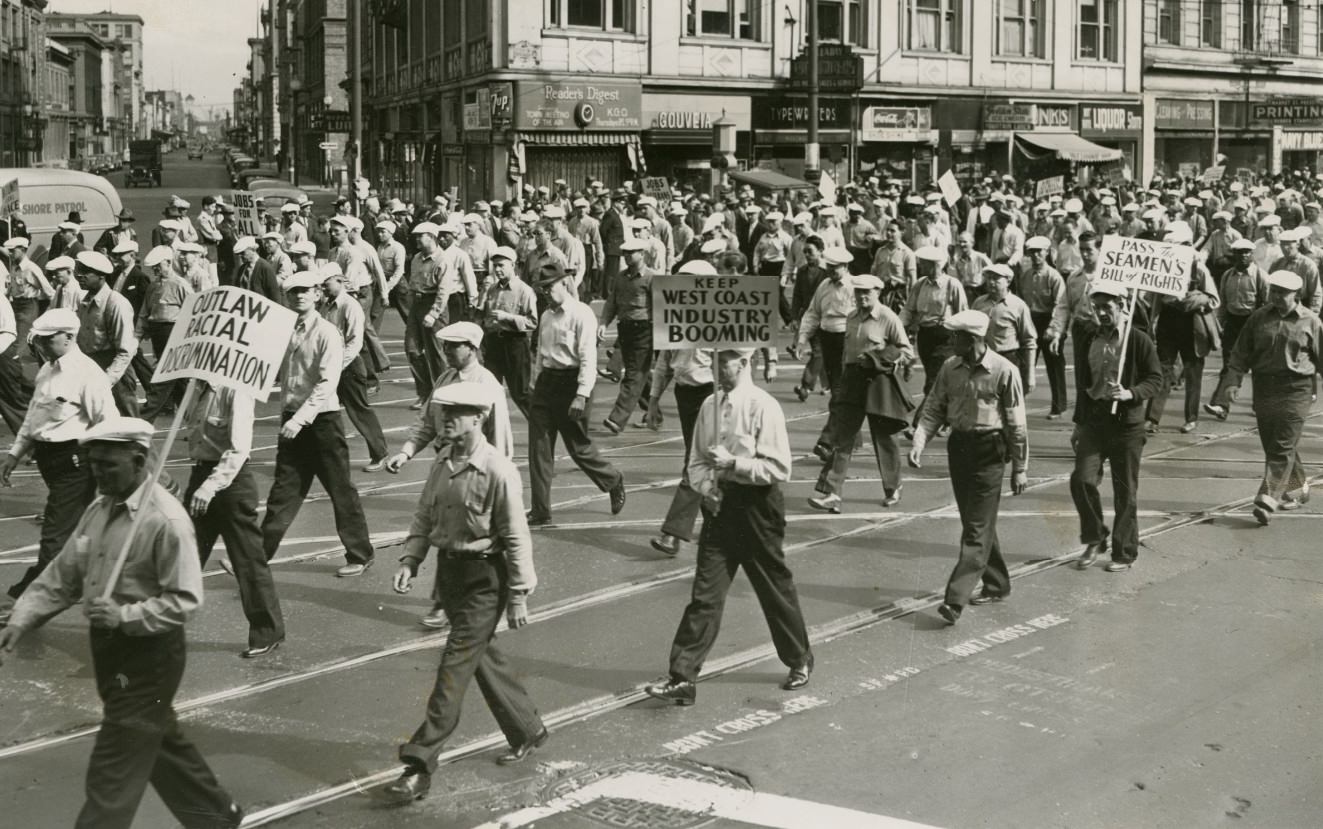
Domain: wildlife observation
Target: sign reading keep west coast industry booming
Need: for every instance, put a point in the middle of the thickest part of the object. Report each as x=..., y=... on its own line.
x=713, y=311
x=229, y=337
x=1159, y=267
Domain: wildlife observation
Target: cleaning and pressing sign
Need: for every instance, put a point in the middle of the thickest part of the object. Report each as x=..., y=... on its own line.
x=229, y=337
x=713, y=311
x=1159, y=267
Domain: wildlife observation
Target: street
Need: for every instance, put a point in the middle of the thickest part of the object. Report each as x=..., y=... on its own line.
x=1181, y=693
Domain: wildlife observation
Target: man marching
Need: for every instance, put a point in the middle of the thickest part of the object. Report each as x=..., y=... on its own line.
x=484, y=569
x=738, y=471
x=629, y=304
x=1100, y=435
x=509, y=311
x=978, y=394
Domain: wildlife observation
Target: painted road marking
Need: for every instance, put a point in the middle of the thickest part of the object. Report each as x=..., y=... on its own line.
x=707, y=799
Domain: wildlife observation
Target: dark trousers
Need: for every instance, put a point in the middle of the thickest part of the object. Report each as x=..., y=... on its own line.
x=1121, y=446
x=1176, y=341
x=420, y=345
x=352, y=392
x=125, y=391
x=748, y=531
x=318, y=451
x=634, y=344
x=847, y=419
x=161, y=394
x=1280, y=406
x=69, y=489
x=934, y=346
x=808, y=378
x=832, y=346
x=686, y=501
x=15, y=389
x=1054, y=363
x=375, y=358
x=1230, y=332
x=610, y=267
x=862, y=262
x=549, y=416
x=977, y=462
x=1078, y=331
x=232, y=516
x=473, y=593
x=140, y=742
x=507, y=356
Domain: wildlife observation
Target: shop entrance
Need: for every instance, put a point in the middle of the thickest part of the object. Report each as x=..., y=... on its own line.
x=577, y=165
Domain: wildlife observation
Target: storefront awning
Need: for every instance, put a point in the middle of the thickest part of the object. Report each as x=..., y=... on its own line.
x=769, y=180
x=1066, y=146
x=578, y=139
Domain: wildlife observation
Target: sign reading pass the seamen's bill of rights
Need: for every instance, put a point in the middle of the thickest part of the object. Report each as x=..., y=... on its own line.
x=228, y=337
x=735, y=311
x=1159, y=267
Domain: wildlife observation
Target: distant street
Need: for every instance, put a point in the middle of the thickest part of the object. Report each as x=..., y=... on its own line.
x=1183, y=693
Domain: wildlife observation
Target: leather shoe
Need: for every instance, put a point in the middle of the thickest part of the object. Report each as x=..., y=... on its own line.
x=1189, y=427
x=988, y=598
x=253, y=653
x=891, y=497
x=435, y=620
x=353, y=569
x=618, y=497
x=539, y=520
x=678, y=691
x=666, y=545
x=949, y=612
x=610, y=426
x=801, y=393
x=1090, y=555
x=798, y=677
x=823, y=452
x=1118, y=567
x=412, y=785
x=1262, y=515
x=1216, y=410
x=827, y=503
x=518, y=753
x=225, y=565
x=234, y=817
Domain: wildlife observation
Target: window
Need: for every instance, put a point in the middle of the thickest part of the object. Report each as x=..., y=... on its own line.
x=1210, y=24
x=610, y=15
x=124, y=30
x=1021, y=30
x=722, y=18
x=475, y=19
x=1249, y=25
x=1098, y=28
x=934, y=25
x=1169, y=22
x=842, y=21
x=1290, y=13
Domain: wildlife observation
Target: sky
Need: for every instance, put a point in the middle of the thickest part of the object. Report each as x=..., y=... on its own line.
x=199, y=47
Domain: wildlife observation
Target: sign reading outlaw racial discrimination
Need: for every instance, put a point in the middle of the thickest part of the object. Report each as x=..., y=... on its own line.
x=735, y=311
x=1159, y=267
x=228, y=337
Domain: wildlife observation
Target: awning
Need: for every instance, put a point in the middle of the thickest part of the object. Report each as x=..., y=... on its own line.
x=1066, y=146
x=578, y=139
x=769, y=180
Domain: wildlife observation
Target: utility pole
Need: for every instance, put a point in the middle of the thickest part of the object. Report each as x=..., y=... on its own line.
x=356, y=87
x=812, y=160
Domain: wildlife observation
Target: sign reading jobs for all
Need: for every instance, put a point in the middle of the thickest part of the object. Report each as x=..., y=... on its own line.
x=246, y=214
x=228, y=337
x=713, y=311
x=1158, y=267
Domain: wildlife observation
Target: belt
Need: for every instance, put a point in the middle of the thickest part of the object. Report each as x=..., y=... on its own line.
x=465, y=555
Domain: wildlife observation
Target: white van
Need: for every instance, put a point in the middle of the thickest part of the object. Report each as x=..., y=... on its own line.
x=48, y=195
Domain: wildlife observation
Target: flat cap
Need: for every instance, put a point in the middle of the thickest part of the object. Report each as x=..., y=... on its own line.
x=387, y=225
x=56, y=321
x=553, y=211
x=473, y=218
x=427, y=227
x=120, y=430
x=1000, y=271
x=465, y=394
x=1242, y=244
x=289, y=207
x=157, y=255
x=1286, y=280
x=1178, y=233
x=1271, y=220
x=461, y=332
x=273, y=236
x=1108, y=289
x=866, y=282
x=244, y=243
x=713, y=246
x=581, y=202
x=633, y=244
x=641, y=223
x=505, y=252
x=1153, y=213
x=971, y=321
x=396, y=206
x=350, y=222
x=1038, y=243
x=1290, y=235
x=698, y=267
x=551, y=273
x=837, y=256
x=802, y=219
x=94, y=261
x=16, y=242
x=1129, y=207
x=170, y=224
x=189, y=247
x=1073, y=206
x=305, y=248
x=305, y=279
x=59, y=263
x=452, y=226
x=1221, y=214
x=74, y=226
x=713, y=222
x=931, y=253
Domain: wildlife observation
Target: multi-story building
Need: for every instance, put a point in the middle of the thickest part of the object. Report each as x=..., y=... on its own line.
x=1233, y=84
x=125, y=118
x=90, y=75
x=22, y=81
x=483, y=96
x=264, y=115
x=57, y=104
x=316, y=96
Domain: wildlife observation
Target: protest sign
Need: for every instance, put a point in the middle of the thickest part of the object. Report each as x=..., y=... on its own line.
x=229, y=337
x=1214, y=174
x=246, y=214
x=659, y=187
x=1158, y=267
x=736, y=311
x=9, y=198
x=1050, y=186
x=827, y=188
x=950, y=188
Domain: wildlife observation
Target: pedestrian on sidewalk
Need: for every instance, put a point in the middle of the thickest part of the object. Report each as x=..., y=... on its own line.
x=484, y=569
x=312, y=435
x=1101, y=435
x=738, y=471
x=1280, y=345
x=136, y=635
x=977, y=394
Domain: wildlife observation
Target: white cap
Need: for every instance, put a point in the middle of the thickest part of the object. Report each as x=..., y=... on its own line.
x=74, y=226
x=713, y=222
x=305, y=279
x=553, y=211
x=930, y=253
x=473, y=218
x=94, y=261
x=16, y=242
x=698, y=267
x=634, y=244
x=289, y=207
x=837, y=256
x=1286, y=280
x=56, y=321
x=713, y=246
x=189, y=247
x=461, y=332
x=244, y=243
x=59, y=263
x=1271, y=220
x=304, y=247
x=1038, y=243
x=467, y=394
x=427, y=227
x=505, y=252
x=1242, y=244
x=387, y=225
x=971, y=321
x=170, y=224
x=1073, y=206
x=120, y=430
x=157, y=255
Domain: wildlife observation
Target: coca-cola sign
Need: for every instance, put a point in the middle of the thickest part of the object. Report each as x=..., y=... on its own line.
x=907, y=124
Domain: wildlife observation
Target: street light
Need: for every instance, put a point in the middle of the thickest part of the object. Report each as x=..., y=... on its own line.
x=295, y=87
x=326, y=154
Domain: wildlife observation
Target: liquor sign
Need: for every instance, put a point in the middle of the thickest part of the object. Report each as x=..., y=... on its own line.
x=1099, y=118
x=907, y=124
x=1008, y=116
x=839, y=69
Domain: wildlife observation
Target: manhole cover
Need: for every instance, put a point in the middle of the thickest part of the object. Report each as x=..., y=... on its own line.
x=633, y=814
